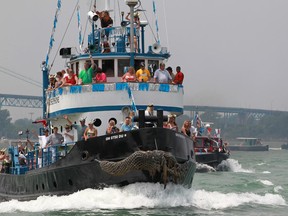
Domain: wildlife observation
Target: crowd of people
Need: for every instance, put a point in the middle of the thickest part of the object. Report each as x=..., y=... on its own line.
x=49, y=142
x=93, y=74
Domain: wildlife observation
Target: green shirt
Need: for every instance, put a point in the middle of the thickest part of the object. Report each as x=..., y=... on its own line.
x=86, y=76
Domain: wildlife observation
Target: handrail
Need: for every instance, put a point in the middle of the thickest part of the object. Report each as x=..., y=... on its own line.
x=37, y=158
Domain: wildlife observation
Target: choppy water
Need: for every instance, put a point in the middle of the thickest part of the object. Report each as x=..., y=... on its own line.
x=257, y=184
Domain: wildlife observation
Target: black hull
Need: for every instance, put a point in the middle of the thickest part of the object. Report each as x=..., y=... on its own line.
x=212, y=159
x=83, y=167
x=249, y=148
x=284, y=146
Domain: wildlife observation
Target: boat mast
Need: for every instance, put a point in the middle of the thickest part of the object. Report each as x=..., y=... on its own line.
x=132, y=4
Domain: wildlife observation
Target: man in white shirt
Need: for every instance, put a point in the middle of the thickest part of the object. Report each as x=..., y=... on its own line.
x=162, y=75
x=68, y=134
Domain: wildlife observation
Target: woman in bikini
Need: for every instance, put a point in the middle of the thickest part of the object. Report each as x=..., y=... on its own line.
x=129, y=76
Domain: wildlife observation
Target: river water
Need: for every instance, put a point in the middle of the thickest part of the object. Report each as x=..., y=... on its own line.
x=256, y=184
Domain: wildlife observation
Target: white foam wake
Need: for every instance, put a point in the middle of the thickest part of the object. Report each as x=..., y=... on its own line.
x=140, y=195
x=234, y=166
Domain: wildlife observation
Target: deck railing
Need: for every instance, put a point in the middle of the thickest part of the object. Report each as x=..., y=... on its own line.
x=37, y=158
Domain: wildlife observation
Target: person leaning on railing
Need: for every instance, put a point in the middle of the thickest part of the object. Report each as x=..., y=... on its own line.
x=162, y=75
x=70, y=79
x=129, y=76
x=143, y=74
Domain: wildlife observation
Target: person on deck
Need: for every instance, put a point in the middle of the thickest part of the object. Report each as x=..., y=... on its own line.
x=90, y=131
x=112, y=128
x=172, y=123
x=186, y=128
x=170, y=70
x=54, y=139
x=136, y=27
x=179, y=77
x=127, y=125
x=70, y=79
x=85, y=76
x=100, y=76
x=59, y=79
x=129, y=76
x=162, y=75
x=143, y=74
x=80, y=128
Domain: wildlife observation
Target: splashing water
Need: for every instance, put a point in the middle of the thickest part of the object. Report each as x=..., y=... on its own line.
x=140, y=195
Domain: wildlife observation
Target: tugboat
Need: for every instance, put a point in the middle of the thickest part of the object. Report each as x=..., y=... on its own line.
x=248, y=144
x=146, y=154
x=210, y=151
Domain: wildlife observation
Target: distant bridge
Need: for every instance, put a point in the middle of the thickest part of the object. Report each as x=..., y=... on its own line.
x=21, y=101
x=28, y=101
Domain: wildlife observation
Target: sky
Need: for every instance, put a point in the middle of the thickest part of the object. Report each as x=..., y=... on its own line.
x=233, y=53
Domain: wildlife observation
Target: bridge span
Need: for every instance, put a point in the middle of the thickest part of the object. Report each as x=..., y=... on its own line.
x=28, y=101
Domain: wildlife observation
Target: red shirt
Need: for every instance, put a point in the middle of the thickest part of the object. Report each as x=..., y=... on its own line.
x=72, y=81
x=179, y=77
x=101, y=77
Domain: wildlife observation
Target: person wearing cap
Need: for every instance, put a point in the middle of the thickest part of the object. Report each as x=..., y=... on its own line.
x=68, y=134
x=52, y=82
x=179, y=77
x=143, y=74
x=112, y=128
x=162, y=75
x=90, y=131
x=79, y=128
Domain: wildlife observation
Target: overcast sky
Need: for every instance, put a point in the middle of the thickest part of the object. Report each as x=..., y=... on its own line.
x=233, y=52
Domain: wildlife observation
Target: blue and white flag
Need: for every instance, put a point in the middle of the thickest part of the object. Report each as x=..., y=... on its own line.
x=79, y=29
x=156, y=22
x=51, y=42
x=131, y=97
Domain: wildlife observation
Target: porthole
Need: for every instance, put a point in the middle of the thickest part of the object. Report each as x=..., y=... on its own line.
x=84, y=155
x=70, y=182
